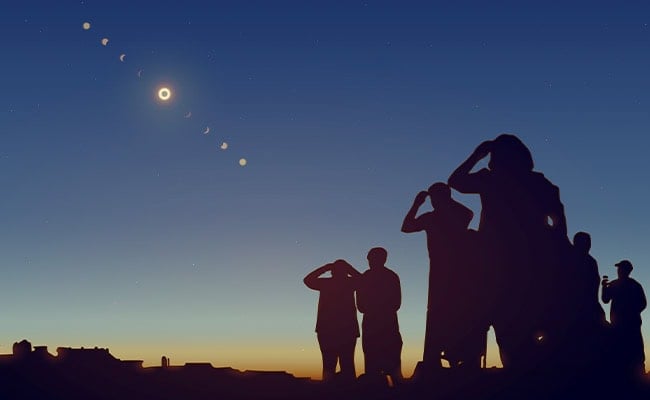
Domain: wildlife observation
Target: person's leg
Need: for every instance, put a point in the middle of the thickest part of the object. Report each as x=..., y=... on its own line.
x=395, y=371
x=432, y=341
x=328, y=352
x=346, y=358
x=370, y=354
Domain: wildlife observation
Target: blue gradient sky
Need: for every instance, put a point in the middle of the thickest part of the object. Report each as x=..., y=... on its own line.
x=124, y=226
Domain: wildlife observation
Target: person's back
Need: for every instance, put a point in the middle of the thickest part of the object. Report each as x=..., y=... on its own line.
x=627, y=299
x=523, y=235
x=337, y=327
x=337, y=313
x=379, y=297
x=577, y=291
x=448, y=245
x=445, y=228
x=515, y=206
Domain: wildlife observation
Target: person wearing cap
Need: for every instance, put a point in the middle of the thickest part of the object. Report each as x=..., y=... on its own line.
x=628, y=301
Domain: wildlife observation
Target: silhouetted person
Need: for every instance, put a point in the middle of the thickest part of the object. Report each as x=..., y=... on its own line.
x=628, y=301
x=523, y=236
x=579, y=326
x=584, y=280
x=379, y=296
x=337, y=327
x=452, y=315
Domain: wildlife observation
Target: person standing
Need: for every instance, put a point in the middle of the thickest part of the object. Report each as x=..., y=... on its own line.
x=337, y=327
x=628, y=301
x=523, y=236
x=453, y=315
x=379, y=296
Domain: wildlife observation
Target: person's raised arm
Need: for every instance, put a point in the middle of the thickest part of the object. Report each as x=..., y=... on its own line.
x=462, y=179
x=347, y=267
x=412, y=224
x=605, y=294
x=312, y=280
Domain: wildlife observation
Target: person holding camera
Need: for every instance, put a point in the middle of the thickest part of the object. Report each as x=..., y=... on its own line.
x=628, y=301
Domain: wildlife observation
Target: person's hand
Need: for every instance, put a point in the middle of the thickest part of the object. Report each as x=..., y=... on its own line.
x=420, y=198
x=483, y=149
x=605, y=281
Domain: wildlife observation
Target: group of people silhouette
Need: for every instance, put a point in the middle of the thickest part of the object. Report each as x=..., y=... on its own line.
x=378, y=297
x=518, y=272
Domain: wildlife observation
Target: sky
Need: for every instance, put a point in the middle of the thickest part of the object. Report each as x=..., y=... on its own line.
x=125, y=226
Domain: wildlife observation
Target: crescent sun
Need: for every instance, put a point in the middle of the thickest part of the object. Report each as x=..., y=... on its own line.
x=122, y=57
x=140, y=73
x=207, y=130
x=188, y=115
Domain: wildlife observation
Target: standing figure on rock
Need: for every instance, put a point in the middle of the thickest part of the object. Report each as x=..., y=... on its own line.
x=523, y=236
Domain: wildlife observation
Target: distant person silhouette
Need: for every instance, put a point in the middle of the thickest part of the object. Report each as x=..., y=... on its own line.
x=628, y=301
x=337, y=327
x=522, y=231
x=379, y=296
x=449, y=307
x=579, y=325
x=585, y=283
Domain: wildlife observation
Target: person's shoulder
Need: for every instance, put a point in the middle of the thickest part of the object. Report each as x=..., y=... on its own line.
x=636, y=283
x=542, y=180
x=461, y=208
x=391, y=272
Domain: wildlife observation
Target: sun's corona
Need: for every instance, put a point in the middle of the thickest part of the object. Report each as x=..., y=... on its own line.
x=164, y=94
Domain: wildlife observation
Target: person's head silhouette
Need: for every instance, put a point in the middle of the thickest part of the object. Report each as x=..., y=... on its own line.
x=624, y=269
x=509, y=154
x=582, y=242
x=338, y=269
x=377, y=257
x=439, y=193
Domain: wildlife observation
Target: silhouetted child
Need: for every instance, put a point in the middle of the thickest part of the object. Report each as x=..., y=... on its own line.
x=337, y=327
x=379, y=296
x=628, y=301
x=453, y=315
